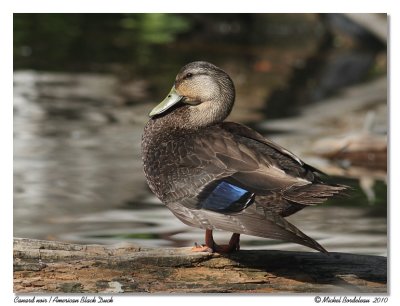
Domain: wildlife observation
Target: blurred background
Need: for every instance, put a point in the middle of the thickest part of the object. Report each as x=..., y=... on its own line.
x=84, y=84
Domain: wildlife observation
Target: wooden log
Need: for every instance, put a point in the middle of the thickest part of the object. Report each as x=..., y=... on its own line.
x=50, y=266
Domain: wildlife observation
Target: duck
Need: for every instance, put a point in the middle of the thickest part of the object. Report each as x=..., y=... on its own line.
x=214, y=174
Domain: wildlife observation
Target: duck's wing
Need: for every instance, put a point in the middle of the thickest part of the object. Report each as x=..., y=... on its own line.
x=242, y=156
x=231, y=164
x=286, y=159
x=315, y=190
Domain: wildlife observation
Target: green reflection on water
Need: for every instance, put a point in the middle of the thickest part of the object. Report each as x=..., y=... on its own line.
x=155, y=28
x=86, y=41
x=356, y=197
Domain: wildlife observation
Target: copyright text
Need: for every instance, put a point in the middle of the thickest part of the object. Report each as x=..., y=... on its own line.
x=350, y=300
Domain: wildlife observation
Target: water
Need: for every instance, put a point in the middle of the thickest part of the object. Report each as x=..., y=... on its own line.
x=78, y=175
x=77, y=166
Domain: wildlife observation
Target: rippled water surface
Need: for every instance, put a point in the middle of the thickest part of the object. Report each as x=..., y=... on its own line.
x=77, y=166
x=78, y=175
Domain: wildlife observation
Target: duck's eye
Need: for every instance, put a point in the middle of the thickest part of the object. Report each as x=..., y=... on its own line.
x=188, y=75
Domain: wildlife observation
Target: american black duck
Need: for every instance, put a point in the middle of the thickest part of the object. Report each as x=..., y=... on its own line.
x=222, y=175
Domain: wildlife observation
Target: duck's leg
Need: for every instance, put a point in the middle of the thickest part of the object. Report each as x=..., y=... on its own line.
x=234, y=245
x=211, y=246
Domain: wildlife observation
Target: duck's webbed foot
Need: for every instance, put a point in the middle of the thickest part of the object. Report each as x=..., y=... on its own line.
x=202, y=248
x=211, y=246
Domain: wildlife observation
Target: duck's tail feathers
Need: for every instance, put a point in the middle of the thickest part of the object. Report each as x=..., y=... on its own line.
x=314, y=194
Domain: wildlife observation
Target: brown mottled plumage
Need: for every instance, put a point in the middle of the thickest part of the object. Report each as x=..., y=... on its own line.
x=223, y=175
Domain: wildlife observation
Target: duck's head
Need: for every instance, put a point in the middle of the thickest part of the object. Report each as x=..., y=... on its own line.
x=203, y=94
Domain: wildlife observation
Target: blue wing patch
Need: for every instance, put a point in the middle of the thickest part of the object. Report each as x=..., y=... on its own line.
x=226, y=197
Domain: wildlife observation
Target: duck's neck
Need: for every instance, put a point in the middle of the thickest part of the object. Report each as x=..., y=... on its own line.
x=210, y=112
x=207, y=114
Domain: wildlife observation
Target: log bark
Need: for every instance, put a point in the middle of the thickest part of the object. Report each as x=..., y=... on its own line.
x=50, y=266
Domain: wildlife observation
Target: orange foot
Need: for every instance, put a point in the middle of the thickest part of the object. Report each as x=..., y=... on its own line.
x=202, y=248
x=212, y=247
